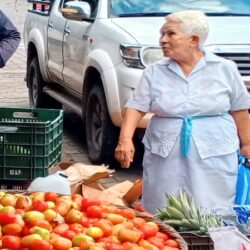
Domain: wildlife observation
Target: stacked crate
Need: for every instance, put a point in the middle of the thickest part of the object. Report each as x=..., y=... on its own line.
x=30, y=142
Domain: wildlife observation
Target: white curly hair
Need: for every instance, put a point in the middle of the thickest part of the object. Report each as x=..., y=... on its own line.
x=192, y=22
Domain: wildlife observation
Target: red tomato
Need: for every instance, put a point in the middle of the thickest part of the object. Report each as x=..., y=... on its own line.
x=128, y=245
x=139, y=207
x=11, y=242
x=87, y=203
x=44, y=224
x=20, y=211
x=40, y=244
x=40, y=206
x=77, y=198
x=114, y=246
x=162, y=235
x=25, y=230
x=130, y=235
x=73, y=216
x=170, y=248
x=149, y=229
x=156, y=241
x=12, y=229
x=94, y=212
x=61, y=228
x=19, y=220
x=109, y=208
x=105, y=225
x=114, y=239
x=146, y=245
x=104, y=239
x=69, y=234
x=7, y=218
x=92, y=220
x=115, y=218
x=76, y=227
x=138, y=222
x=171, y=243
x=62, y=207
x=61, y=243
x=127, y=213
x=51, y=196
x=85, y=222
x=87, y=244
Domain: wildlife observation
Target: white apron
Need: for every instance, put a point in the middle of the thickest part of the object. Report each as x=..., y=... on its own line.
x=211, y=181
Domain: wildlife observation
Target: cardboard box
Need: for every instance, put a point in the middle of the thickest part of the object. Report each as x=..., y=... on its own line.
x=84, y=180
x=122, y=194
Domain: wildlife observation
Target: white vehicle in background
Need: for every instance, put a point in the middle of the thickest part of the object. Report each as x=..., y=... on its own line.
x=89, y=55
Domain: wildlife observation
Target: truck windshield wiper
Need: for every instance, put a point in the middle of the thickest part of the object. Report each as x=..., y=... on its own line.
x=164, y=14
x=227, y=14
x=142, y=14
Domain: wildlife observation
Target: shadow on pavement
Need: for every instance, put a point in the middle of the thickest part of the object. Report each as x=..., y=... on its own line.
x=73, y=126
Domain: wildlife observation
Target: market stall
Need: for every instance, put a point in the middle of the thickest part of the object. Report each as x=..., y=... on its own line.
x=64, y=206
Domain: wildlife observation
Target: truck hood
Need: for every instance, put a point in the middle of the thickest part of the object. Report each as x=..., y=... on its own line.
x=229, y=31
x=145, y=30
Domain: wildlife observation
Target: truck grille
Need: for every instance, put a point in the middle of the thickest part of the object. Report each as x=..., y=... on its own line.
x=241, y=59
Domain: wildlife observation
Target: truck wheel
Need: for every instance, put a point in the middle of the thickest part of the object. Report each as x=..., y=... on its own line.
x=37, y=98
x=101, y=134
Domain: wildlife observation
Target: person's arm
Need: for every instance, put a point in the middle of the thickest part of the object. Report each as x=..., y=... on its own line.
x=9, y=39
x=242, y=121
x=124, y=152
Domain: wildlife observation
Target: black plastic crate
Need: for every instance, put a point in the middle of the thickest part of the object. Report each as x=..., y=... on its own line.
x=197, y=242
x=30, y=142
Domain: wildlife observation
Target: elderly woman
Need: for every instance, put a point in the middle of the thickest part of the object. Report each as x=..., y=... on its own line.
x=200, y=106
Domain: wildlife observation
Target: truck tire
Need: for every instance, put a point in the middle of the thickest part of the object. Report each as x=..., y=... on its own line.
x=101, y=134
x=37, y=98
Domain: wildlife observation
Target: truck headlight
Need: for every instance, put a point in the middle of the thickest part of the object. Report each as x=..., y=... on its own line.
x=150, y=55
x=140, y=56
x=131, y=56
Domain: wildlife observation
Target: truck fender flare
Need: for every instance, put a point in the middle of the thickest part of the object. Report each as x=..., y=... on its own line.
x=101, y=61
x=37, y=39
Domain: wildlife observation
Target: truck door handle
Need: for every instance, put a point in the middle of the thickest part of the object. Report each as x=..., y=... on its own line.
x=50, y=25
x=67, y=31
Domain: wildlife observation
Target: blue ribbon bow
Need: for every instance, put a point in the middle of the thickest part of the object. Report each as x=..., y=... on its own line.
x=186, y=131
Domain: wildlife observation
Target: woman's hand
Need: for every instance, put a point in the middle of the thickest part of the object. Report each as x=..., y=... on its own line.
x=242, y=120
x=245, y=151
x=124, y=152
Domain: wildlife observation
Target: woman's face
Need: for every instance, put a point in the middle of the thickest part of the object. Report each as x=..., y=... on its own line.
x=174, y=42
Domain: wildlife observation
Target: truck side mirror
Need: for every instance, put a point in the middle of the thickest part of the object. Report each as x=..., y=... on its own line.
x=76, y=10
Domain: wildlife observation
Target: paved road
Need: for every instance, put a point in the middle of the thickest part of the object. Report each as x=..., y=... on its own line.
x=14, y=94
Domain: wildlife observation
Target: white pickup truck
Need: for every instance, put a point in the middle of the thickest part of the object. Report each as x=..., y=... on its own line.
x=89, y=55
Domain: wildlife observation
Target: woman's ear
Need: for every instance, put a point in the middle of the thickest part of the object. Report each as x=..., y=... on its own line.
x=195, y=40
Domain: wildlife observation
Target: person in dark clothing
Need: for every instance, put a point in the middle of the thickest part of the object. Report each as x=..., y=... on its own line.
x=9, y=39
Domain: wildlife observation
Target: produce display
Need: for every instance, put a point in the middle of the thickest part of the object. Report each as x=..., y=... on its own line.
x=182, y=213
x=45, y=221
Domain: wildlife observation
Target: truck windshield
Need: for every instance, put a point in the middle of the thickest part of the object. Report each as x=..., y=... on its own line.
x=163, y=7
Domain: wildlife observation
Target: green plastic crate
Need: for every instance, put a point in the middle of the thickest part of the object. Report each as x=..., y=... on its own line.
x=30, y=142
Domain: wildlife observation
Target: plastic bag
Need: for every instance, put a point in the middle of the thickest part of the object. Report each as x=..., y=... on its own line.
x=229, y=238
x=243, y=183
x=57, y=182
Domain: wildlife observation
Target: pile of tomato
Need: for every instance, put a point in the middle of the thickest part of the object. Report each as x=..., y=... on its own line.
x=48, y=221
